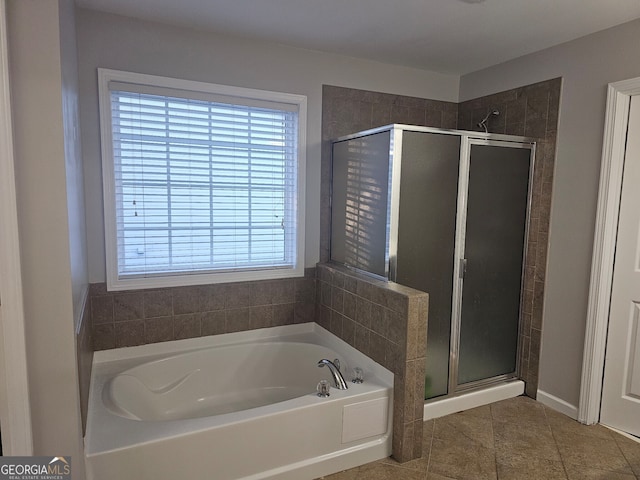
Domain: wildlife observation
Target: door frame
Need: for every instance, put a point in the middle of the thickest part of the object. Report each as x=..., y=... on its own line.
x=466, y=143
x=15, y=411
x=611, y=173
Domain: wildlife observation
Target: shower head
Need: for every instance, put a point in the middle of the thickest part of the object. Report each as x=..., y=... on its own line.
x=483, y=123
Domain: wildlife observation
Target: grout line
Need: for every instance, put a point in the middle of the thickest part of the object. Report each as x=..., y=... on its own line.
x=433, y=431
x=555, y=441
x=493, y=435
x=615, y=440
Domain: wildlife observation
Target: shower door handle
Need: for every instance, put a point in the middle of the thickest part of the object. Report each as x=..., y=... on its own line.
x=463, y=267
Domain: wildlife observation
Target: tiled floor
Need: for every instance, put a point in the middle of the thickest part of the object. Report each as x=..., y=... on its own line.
x=511, y=440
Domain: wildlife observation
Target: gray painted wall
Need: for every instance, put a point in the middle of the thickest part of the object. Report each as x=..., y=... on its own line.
x=122, y=43
x=73, y=158
x=587, y=66
x=49, y=197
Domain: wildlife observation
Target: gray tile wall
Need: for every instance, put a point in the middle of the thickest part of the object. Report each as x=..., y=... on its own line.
x=129, y=318
x=347, y=110
x=387, y=322
x=530, y=111
x=84, y=357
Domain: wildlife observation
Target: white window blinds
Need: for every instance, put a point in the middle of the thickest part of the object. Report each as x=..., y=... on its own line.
x=202, y=185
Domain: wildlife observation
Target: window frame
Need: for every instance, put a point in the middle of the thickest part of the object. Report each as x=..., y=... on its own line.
x=114, y=281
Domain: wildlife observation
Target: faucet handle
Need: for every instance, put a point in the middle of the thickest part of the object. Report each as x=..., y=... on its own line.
x=336, y=362
x=323, y=388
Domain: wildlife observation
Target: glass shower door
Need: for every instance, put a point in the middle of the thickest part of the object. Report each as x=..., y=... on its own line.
x=428, y=196
x=494, y=248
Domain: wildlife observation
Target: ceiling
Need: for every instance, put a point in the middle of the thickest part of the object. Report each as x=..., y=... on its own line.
x=449, y=36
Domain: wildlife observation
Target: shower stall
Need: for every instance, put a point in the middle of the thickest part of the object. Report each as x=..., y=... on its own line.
x=445, y=212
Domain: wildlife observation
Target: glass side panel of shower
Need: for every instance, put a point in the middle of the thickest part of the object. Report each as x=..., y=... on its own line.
x=360, y=202
x=494, y=249
x=426, y=239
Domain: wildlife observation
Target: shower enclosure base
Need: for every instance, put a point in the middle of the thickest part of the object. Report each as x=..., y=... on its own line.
x=465, y=401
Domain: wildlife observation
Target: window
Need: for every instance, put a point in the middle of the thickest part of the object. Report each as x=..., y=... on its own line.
x=203, y=183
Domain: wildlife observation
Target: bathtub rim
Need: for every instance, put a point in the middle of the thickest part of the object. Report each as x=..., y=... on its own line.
x=108, y=363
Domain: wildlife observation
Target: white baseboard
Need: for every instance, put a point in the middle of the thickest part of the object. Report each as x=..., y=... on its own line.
x=557, y=404
x=447, y=406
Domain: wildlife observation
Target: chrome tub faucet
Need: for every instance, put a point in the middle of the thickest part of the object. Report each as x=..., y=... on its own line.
x=338, y=379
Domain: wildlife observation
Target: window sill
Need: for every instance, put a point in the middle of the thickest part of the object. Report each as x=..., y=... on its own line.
x=141, y=283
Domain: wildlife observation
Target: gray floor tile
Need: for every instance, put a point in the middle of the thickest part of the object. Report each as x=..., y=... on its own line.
x=519, y=410
x=630, y=450
x=420, y=464
x=577, y=472
x=534, y=440
x=351, y=474
x=435, y=476
x=526, y=467
x=560, y=423
x=383, y=471
x=465, y=429
x=462, y=460
x=592, y=452
x=516, y=439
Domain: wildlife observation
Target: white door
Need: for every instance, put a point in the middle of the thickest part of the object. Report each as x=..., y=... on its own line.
x=15, y=413
x=621, y=390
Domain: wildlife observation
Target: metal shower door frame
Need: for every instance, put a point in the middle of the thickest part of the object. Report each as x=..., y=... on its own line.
x=459, y=262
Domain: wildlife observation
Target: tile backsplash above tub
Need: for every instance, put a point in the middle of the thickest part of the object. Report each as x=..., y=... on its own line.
x=129, y=318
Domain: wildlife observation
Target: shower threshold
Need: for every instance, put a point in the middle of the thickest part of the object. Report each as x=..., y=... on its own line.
x=476, y=398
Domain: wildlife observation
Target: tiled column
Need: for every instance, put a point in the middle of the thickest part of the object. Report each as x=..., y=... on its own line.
x=387, y=322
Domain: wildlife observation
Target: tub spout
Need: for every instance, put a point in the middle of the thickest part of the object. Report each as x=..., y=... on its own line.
x=338, y=379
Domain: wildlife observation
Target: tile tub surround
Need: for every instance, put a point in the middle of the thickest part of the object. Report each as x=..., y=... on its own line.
x=531, y=111
x=348, y=110
x=387, y=322
x=129, y=318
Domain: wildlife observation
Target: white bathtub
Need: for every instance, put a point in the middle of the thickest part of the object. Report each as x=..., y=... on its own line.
x=235, y=406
